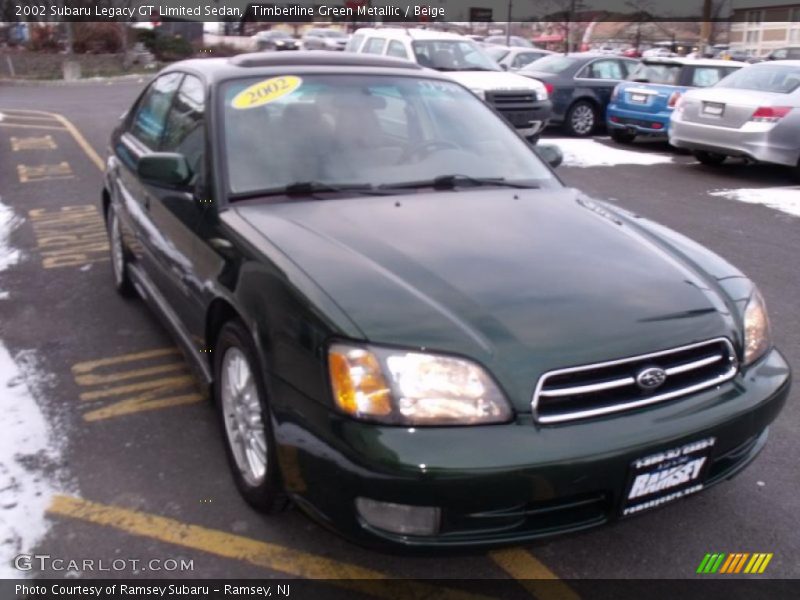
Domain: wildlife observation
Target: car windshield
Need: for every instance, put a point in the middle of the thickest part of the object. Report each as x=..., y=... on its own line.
x=554, y=63
x=666, y=74
x=452, y=55
x=333, y=34
x=365, y=131
x=768, y=78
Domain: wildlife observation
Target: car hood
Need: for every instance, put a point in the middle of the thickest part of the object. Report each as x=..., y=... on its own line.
x=521, y=281
x=491, y=80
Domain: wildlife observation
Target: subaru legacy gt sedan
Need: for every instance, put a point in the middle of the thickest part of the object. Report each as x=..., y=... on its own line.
x=417, y=333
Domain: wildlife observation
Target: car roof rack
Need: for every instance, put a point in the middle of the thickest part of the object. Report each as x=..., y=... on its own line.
x=318, y=58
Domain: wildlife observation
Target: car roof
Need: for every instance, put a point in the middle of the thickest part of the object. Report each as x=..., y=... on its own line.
x=777, y=63
x=273, y=63
x=413, y=34
x=700, y=62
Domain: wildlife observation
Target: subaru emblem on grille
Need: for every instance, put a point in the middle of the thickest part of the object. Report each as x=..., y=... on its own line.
x=651, y=378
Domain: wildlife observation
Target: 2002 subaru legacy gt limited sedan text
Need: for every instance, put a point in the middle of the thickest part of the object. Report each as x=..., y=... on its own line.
x=417, y=333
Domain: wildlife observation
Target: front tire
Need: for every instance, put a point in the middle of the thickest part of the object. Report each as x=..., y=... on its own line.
x=581, y=119
x=244, y=416
x=119, y=257
x=622, y=137
x=711, y=159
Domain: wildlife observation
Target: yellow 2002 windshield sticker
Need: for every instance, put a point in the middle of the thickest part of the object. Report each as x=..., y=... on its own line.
x=266, y=91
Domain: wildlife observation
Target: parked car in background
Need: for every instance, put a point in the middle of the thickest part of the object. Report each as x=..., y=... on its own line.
x=324, y=39
x=658, y=51
x=515, y=58
x=788, y=53
x=753, y=113
x=275, y=39
x=524, y=103
x=643, y=104
x=514, y=41
x=580, y=86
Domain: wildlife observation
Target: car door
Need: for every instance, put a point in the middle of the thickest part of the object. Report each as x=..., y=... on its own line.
x=177, y=213
x=140, y=134
x=598, y=79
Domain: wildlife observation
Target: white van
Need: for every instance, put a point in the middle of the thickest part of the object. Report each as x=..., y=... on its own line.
x=522, y=101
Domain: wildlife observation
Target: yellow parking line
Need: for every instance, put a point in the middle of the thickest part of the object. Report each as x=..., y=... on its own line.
x=67, y=124
x=53, y=127
x=261, y=554
x=532, y=574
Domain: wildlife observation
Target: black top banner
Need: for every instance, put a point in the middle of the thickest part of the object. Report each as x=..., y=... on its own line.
x=395, y=10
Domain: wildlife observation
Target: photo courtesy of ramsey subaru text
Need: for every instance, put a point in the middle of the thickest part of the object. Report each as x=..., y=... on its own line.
x=409, y=326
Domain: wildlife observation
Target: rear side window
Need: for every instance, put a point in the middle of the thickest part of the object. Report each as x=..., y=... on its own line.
x=354, y=43
x=374, y=46
x=148, y=123
x=184, y=131
x=603, y=69
x=397, y=50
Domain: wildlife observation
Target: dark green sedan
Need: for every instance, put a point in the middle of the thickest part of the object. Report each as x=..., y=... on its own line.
x=410, y=328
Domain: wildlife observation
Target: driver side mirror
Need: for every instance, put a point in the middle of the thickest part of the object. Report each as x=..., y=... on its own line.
x=168, y=169
x=550, y=153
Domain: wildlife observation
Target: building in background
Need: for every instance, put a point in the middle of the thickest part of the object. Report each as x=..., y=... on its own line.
x=757, y=30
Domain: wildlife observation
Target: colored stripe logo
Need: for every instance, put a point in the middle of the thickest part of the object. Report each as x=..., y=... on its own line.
x=736, y=562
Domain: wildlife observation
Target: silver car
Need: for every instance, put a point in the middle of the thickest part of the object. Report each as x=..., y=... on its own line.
x=753, y=113
x=513, y=59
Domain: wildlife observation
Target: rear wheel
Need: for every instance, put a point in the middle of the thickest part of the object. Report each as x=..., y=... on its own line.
x=622, y=137
x=243, y=410
x=581, y=118
x=709, y=158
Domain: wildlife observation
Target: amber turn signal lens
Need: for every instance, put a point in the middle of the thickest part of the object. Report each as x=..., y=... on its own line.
x=359, y=387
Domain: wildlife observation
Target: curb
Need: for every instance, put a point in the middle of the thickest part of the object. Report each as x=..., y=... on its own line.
x=138, y=77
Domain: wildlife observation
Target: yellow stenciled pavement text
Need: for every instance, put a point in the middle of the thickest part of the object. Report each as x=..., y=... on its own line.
x=132, y=383
x=70, y=236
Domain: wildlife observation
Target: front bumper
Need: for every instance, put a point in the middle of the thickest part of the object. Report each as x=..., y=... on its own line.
x=529, y=119
x=755, y=141
x=639, y=122
x=510, y=483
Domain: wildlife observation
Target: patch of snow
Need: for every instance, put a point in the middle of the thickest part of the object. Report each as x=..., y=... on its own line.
x=8, y=255
x=786, y=199
x=591, y=153
x=31, y=464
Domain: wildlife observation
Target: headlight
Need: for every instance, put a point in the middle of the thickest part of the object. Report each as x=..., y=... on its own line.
x=413, y=388
x=756, y=328
x=479, y=93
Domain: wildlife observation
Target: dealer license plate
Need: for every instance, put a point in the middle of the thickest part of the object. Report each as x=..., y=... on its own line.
x=667, y=476
x=713, y=108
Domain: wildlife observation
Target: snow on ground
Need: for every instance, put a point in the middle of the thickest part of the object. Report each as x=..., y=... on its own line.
x=587, y=152
x=786, y=199
x=8, y=255
x=31, y=465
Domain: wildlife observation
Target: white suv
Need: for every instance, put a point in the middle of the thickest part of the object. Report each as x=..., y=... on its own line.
x=522, y=101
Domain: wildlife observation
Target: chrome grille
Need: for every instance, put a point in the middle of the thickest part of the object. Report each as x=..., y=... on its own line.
x=608, y=387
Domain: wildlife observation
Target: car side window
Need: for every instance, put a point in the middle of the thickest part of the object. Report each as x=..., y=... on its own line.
x=780, y=54
x=354, y=43
x=148, y=122
x=396, y=49
x=522, y=59
x=604, y=69
x=184, y=132
x=374, y=45
x=794, y=53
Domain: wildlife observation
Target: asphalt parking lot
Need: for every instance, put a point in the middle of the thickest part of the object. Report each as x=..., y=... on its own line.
x=128, y=462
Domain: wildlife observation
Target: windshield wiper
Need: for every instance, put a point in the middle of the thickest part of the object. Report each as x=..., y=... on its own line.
x=450, y=182
x=309, y=188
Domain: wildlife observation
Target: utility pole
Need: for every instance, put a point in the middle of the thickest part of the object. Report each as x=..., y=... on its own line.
x=705, y=28
x=508, y=23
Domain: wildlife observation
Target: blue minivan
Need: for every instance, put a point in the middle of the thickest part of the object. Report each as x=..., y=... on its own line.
x=643, y=103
